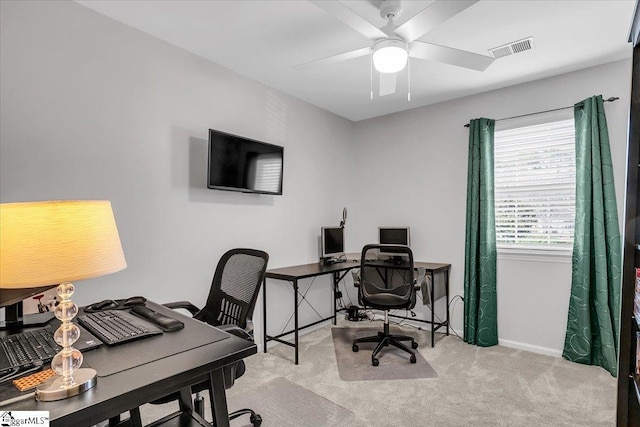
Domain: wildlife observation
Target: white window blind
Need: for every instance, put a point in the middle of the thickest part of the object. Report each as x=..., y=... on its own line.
x=265, y=171
x=535, y=179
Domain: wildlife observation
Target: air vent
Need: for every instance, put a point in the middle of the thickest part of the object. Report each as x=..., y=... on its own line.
x=512, y=48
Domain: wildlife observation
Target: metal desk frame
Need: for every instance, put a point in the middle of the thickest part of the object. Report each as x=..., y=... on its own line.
x=338, y=271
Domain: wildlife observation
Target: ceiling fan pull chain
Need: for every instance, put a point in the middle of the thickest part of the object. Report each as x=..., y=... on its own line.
x=371, y=76
x=409, y=79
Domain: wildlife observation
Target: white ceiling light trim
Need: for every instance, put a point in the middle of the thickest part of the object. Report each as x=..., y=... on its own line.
x=390, y=55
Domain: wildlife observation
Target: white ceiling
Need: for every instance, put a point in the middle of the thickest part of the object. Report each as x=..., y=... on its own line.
x=265, y=39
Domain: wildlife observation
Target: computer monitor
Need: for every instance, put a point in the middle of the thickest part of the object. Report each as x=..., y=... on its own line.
x=14, y=318
x=332, y=242
x=393, y=236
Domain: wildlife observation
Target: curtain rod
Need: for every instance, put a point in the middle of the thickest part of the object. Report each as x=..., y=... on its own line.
x=610, y=99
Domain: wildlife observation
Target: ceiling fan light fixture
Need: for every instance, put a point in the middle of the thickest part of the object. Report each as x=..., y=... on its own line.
x=390, y=55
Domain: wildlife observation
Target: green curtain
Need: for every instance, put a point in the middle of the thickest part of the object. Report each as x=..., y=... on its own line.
x=594, y=305
x=480, y=302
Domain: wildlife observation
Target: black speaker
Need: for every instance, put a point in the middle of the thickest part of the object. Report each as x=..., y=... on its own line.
x=353, y=313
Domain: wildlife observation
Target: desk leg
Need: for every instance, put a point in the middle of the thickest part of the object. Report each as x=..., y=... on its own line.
x=218, y=399
x=336, y=282
x=295, y=315
x=446, y=284
x=433, y=309
x=264, y=315
x=185, y=402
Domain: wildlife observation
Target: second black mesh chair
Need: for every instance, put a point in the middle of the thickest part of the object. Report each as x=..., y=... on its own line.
x=232, y=299
x=387, y=284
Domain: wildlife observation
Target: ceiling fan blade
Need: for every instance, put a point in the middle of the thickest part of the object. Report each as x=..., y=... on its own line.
x=388, y=83
x=349, y=17
x=430, y=17
x=333, y=59
x=448, y=55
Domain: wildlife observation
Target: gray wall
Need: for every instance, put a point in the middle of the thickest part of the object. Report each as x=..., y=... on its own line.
x=90, y=108
x=418, y=175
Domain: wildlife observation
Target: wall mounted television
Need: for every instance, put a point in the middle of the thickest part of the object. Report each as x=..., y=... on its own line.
x=241, y=164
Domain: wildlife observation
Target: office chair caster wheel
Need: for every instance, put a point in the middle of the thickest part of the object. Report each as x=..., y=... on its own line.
x=375, y=362
x=256, y=420
x=355, y=348
x=414, y=345
x=413, y=359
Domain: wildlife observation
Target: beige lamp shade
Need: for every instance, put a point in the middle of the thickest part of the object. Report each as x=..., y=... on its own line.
x=47, y=243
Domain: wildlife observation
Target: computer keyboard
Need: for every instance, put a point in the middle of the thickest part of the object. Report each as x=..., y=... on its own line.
x=115, y=327
x=26, y=348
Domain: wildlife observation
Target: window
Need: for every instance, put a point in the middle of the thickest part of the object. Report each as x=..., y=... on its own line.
x=264, y=172
x=535, y=179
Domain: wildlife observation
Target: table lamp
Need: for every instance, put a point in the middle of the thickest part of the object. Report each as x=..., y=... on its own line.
x=57, y=242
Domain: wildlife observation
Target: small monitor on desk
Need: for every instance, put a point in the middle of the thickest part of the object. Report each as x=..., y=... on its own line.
x=14, y=318
x=393, y=236
x=332, y=244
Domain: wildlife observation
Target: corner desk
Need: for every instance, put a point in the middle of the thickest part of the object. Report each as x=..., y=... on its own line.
x=135, y=373
x=338, y=271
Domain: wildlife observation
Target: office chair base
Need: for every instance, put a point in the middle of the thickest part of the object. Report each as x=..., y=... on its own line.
x=255, y=419
x=384, y=339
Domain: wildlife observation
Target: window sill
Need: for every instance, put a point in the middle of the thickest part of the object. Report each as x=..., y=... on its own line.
x=535, y=255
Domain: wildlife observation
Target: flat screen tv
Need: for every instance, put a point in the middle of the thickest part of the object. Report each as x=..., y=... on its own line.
x=242, y=164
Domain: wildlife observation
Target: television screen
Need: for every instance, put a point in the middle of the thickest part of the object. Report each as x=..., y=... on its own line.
x=242, y=164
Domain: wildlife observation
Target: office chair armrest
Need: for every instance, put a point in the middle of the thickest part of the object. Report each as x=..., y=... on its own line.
x=236, y=330
x=186, y=305
x=356, y=277
x=249, y=327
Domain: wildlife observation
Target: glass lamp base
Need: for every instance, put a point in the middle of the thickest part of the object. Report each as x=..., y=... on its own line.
x=51, y=390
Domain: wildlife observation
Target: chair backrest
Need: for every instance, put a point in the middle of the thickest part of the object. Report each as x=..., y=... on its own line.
x=235, y=287
x=391, y=276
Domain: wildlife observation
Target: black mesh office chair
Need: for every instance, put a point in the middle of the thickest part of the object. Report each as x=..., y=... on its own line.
x=387, y=284
x=232, y=298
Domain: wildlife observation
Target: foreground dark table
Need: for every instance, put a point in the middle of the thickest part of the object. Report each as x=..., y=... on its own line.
x=152, y=379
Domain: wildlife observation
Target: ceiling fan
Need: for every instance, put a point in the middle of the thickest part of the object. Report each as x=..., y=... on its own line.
x=393, y=44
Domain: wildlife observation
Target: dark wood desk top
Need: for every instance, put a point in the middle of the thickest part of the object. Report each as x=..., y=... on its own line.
x=436, y=267
x=128, y=389
x=317, y=269
x=309, y=270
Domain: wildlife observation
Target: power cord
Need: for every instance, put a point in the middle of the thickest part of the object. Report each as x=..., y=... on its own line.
x=420, y=328
x=10, y=375
x=36, y=365
x=455, y=297
x=340, y=299
x=7, y=402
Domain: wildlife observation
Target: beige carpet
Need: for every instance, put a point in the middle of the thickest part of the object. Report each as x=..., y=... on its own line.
x=394, y=363
x=282, y=403
x=495, y=386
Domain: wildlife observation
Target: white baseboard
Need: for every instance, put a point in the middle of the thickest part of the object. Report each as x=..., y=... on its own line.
x=506, y=343
x=532, y=348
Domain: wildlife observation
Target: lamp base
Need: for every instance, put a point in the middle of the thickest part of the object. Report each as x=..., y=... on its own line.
x=51, y=390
